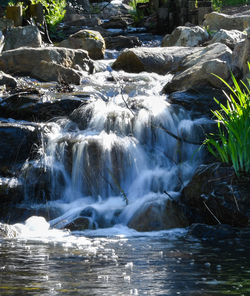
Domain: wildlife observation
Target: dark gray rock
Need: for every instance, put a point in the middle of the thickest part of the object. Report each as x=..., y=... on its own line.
x=215, y=195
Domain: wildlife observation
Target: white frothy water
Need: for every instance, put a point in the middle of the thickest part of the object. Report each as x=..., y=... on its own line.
x=113, y=154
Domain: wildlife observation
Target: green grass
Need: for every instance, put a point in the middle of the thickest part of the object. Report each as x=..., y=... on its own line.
x=231, y=144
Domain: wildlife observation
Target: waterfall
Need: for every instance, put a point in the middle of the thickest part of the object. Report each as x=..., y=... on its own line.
x=113, y=153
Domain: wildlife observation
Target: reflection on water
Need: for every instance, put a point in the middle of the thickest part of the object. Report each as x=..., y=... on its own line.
x=163, y=263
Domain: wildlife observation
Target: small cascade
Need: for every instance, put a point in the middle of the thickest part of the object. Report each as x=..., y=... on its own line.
x=115, y=152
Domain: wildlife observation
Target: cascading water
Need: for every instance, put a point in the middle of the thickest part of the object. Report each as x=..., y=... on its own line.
x=115, y=153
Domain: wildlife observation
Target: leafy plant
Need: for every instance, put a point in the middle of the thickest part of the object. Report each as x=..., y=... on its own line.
x=232, y=143
x=136, y=13
x=54, y=11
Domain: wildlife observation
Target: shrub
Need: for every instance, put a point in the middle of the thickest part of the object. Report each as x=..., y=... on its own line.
x=232, y=142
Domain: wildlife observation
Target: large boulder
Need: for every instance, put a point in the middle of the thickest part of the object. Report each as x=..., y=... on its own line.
x=215, y=195
x=89, y=40
x=230, y=38
x=47, y=64
x=197, y=68
x=159, y=215
x=186, y=36
x=160, y=60
x=17, y=37
x=241, y=54
x=217, y=21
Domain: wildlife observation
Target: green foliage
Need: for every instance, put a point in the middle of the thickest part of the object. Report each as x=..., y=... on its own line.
x=136, y=14
x=218, y=4
x=54, y=11
x=232, y=143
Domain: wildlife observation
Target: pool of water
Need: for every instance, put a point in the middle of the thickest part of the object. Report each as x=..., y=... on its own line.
x=123, y=263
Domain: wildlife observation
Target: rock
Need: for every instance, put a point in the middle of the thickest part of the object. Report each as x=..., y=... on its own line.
x=217, y=21
x=18, y=145
x=155, y=215
x=47, y=64
x=229, y=38
x=11, y=193
x=33, y=108
x=120, y=42
x=215, y=195
x=7, y=80
x=186, y=36
x=81, y=21
x=79, y=224
x=17, y=37
x=214, y=233
x=197, y=68
x=199, y=100
x=6, y=24
x=160, y=60
x=115, y=22
x=241, y=55
x=89, y=40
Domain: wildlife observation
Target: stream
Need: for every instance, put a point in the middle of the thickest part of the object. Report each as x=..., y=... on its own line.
x=103, y=166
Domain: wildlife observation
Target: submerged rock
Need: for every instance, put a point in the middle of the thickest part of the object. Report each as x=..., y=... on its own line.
x=89, y=40
x=47, y=64
x=159, y=215
x=186, y=36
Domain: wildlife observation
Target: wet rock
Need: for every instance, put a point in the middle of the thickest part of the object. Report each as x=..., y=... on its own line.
x=120, y=42
x=215, y=195
x=17, y=37
x=7, y=80
x=217, y=21
x=186, y=36
x=196, y=69
x=160, y=60
x=229, y=38
x=18, y=145
x=47, y=64
x=216, y=232
x=160, y=215
x=79, y=224
x=32, y=107
x=241, y=54
x=11, y=193
x=89, y=40
x=199, y=100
